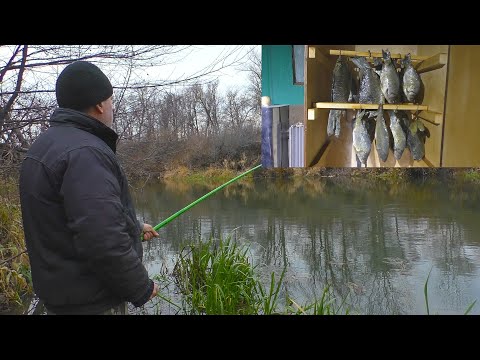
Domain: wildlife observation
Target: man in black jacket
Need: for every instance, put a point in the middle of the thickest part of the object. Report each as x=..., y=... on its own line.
x=81, y=231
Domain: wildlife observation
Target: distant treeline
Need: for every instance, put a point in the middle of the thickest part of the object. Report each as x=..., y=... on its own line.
x=161, y=123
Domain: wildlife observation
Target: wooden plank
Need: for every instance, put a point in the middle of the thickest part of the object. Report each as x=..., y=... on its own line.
x=376, y=55
x=461, y=145
x=434, y=83
x=330, y=105
x=314, y=53
x=433, y=117
x=434, y=62
x=318, y=83
x=429, y=121
x=312, y=114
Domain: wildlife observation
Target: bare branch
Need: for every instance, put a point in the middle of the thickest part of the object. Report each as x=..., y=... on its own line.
x=9, y=104
x=4, y=70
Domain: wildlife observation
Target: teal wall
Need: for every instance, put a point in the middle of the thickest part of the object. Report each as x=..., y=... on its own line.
x=277, y=76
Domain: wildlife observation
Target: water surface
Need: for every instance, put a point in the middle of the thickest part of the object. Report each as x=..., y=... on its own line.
x=374, y=243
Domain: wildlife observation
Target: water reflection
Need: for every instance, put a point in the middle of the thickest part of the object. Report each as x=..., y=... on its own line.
x=373, y=242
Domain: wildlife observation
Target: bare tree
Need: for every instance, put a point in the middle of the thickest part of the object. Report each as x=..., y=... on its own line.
x=147, y=110
x=207, y=97
x=28, y=72
x=192, y=119
x=255, y=77
x=253, y=67
x=238, y=110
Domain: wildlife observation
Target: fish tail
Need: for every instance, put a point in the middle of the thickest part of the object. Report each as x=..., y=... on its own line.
x=339, y=116
x=333, y=121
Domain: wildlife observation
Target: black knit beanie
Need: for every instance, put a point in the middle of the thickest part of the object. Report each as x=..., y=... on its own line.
x=81, y=85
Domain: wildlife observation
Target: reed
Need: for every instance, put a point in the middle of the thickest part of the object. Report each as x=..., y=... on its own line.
x=425, y=292
x=217, y=278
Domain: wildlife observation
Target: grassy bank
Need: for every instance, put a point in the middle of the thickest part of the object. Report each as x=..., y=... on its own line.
x=217, y=278
x=470, y=175
x=15, y=279
x=209, y=175
x=387, y=174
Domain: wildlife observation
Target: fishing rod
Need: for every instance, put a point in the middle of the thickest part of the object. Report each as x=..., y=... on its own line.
x=170, y=218
x=178, y=213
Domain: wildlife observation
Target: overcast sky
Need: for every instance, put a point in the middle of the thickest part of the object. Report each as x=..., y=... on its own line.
x=196, y=60
x=202, y=57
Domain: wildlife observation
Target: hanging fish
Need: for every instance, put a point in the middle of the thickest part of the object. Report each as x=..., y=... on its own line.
x=414, y=140
x=341, y=87
x=401, y=71
x=370, y=91
x=353, y=96
x=389, y=80
x=361, y=139
x=411, y=81
x=382, y=142
x=399, y=138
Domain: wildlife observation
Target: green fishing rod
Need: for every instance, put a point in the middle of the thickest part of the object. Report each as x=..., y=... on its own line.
x=178, y=213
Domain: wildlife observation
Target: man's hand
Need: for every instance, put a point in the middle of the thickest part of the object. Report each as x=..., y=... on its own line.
x=154, y=292
x=149, y=232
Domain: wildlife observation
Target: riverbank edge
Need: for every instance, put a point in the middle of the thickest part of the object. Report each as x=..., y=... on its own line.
x=15, y=279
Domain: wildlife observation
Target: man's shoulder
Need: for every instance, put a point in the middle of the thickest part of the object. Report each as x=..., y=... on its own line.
x=57, y=144
x=76, y=139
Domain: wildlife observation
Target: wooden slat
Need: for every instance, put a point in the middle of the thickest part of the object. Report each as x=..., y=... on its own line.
x=314, y=53
x=429, y=121
x=434, y=83
x=376, y=55
x=432, y=63
x=312, y=114
x=330, y=105
x=433, y=117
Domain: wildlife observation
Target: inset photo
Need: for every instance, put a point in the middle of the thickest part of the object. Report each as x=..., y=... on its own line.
x=370, y=106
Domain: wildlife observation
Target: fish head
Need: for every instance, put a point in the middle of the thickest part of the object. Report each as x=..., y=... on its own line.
x=377, y=64
x=360, y=62
x=380, y=112
x=360, y=115
x=407, y=60
x=386, y=55
x=399, y=64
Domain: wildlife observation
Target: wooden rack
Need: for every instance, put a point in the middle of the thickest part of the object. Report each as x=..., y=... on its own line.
x=371, y=55
x=433, y=117
x=356, y=106
x=421, y=63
